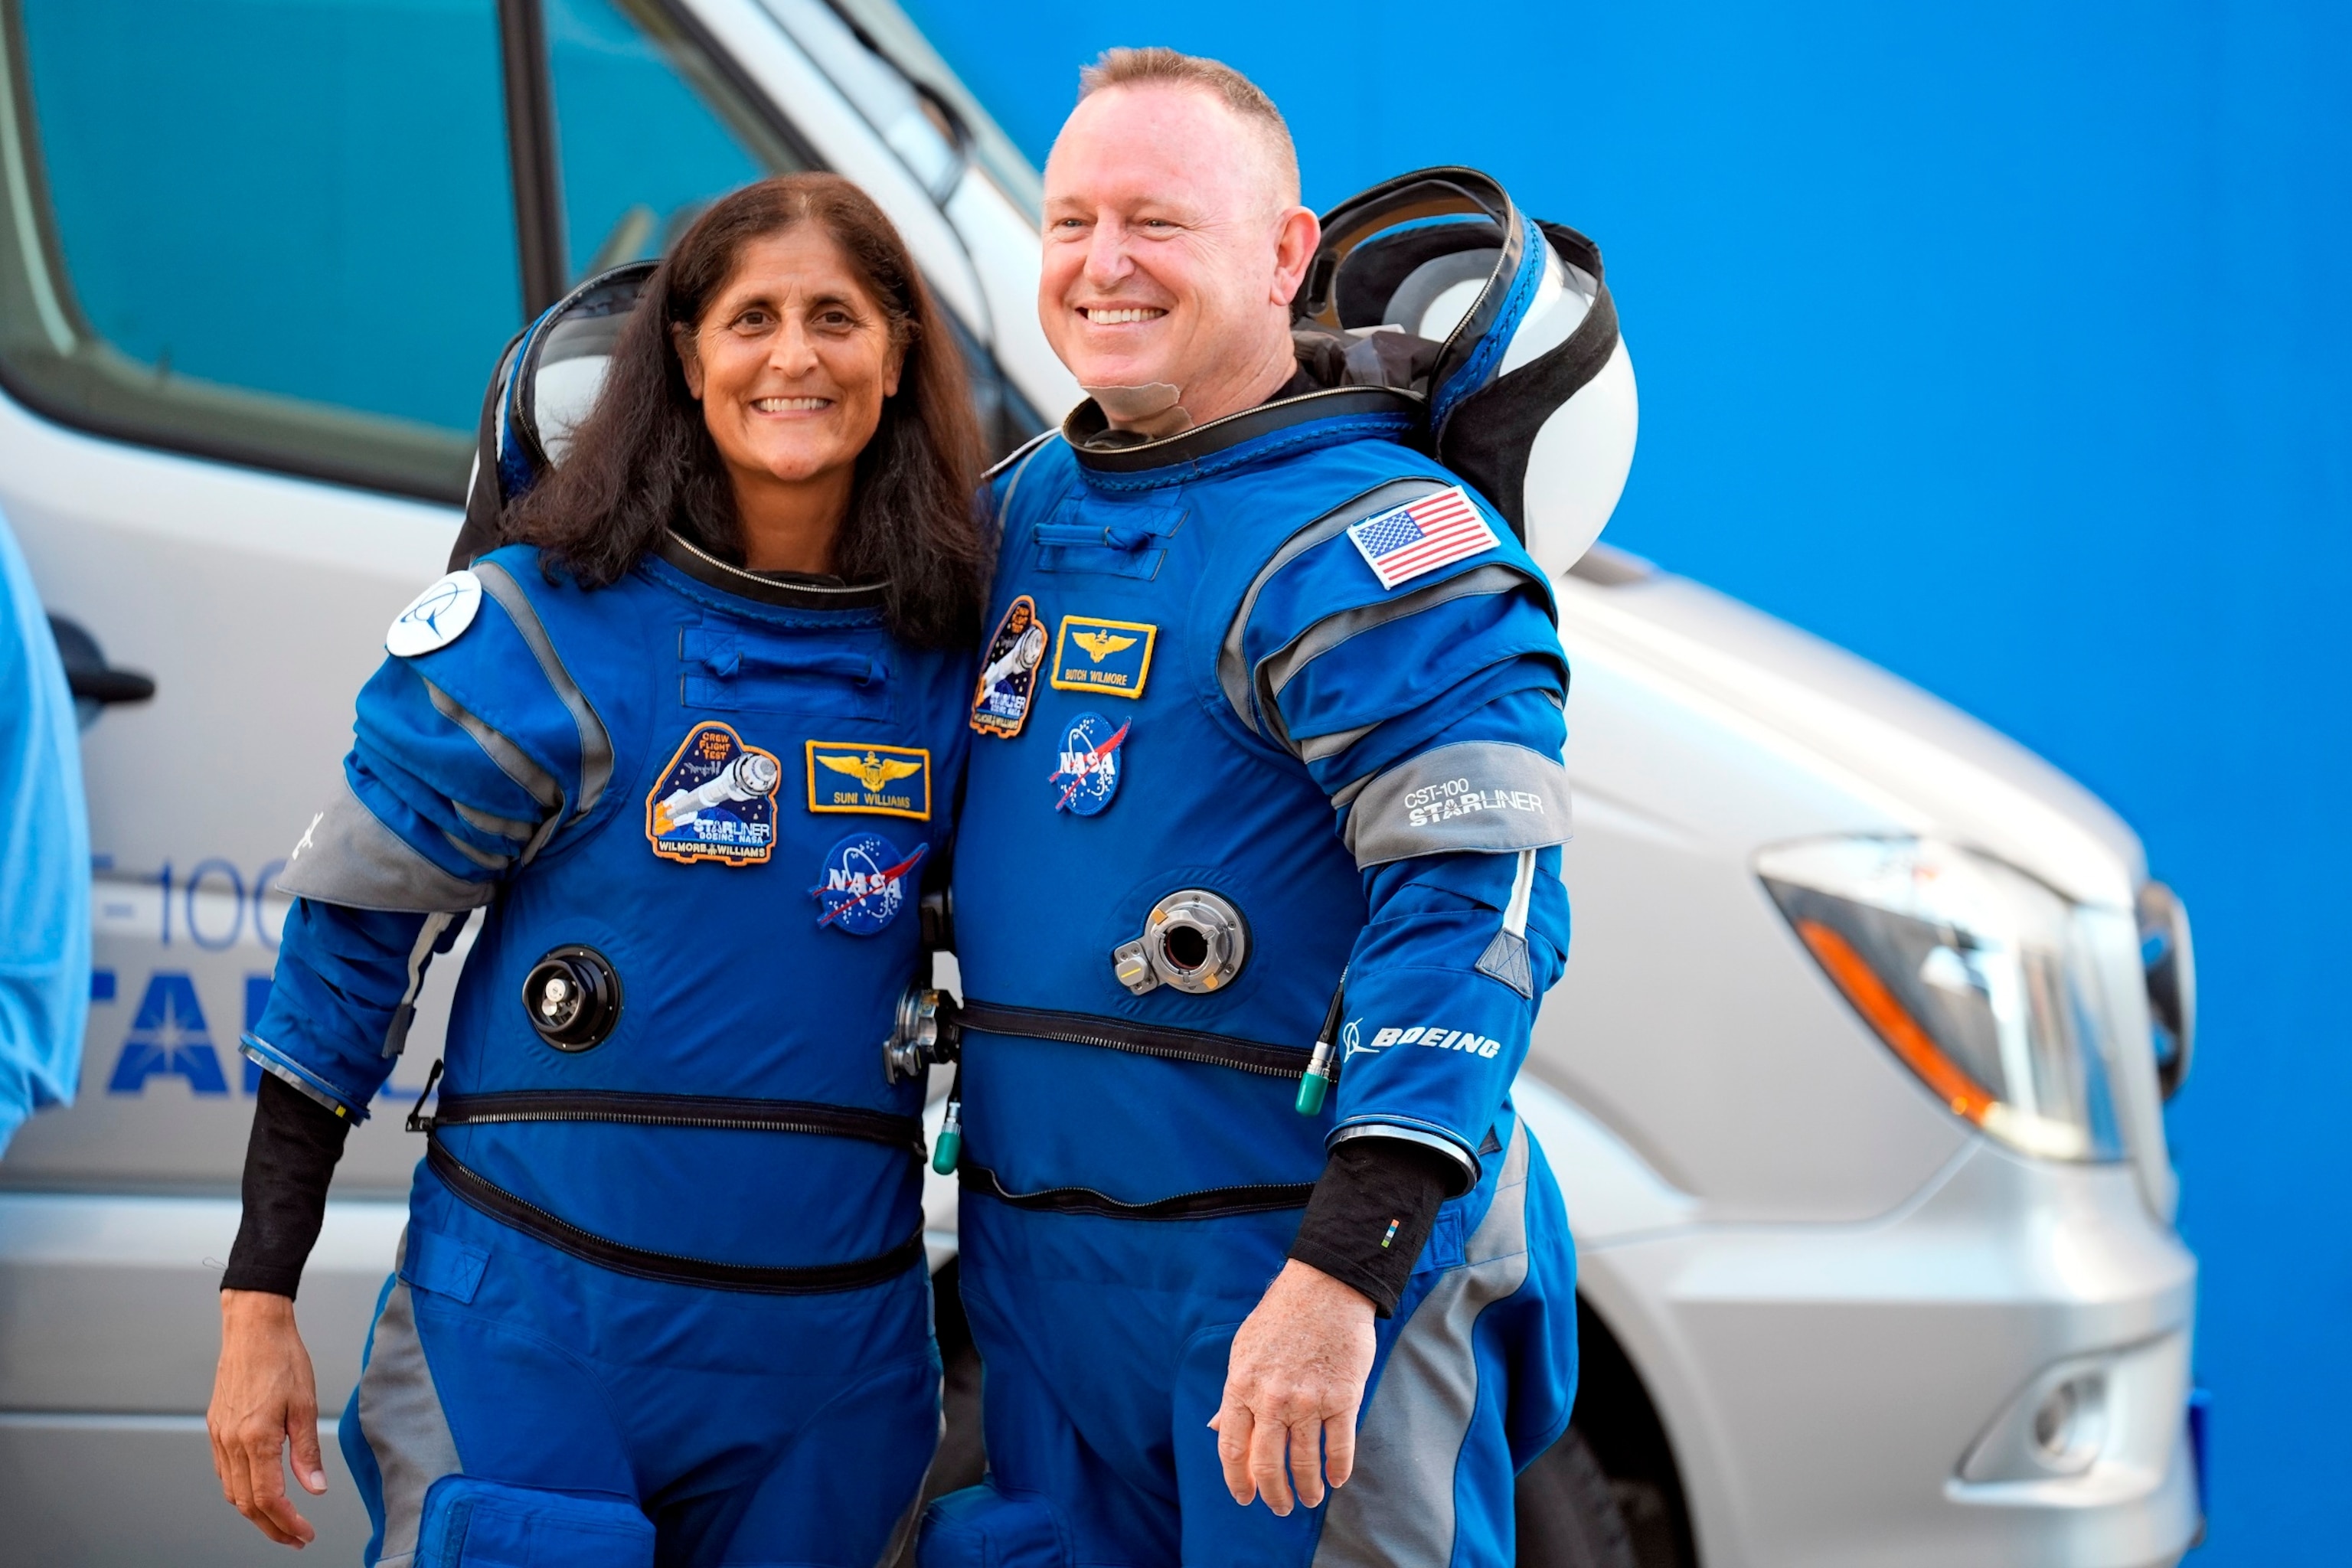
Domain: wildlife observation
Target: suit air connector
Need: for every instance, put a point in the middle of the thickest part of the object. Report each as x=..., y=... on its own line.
x=924, y=1034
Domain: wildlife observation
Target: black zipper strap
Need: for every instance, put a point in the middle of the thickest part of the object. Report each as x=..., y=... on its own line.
x=480, y=1192
x=1144, y=1039
x=1214, y=1202
x=676, y=1110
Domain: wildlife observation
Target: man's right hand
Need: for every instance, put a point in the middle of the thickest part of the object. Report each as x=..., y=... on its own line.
x=264, y=1396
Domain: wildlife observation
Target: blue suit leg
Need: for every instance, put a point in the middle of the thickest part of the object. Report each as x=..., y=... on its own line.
x=522, y=1407
x=1216, y=1529
x=836, y=1492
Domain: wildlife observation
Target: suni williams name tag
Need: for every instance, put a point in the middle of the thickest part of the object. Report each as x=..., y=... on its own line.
x=884, y=781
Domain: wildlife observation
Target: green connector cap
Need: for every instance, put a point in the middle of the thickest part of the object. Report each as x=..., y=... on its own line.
x=1312, y=1085
x=945, y=1151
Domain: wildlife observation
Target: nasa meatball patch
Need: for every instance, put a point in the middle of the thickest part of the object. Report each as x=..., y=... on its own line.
x=1008, y=672
x=1091, y=764
x=864, y=884
x=435, y=618
x=716, y=801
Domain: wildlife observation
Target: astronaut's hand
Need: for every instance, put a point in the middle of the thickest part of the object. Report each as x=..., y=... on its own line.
x=1293, y=1386
x=265, y=1396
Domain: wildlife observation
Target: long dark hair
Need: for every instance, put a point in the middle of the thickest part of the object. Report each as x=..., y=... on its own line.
x=644, y=461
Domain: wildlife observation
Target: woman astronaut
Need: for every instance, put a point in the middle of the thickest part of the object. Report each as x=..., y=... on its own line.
x=694, y=748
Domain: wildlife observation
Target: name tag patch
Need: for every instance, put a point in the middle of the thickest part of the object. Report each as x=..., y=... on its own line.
x=716, y=801
x=864, y=882
x=882, y=781
x=1008, y=673
x=1091, y=764
x=1111, y=657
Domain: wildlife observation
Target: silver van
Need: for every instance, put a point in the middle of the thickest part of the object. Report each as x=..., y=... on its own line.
x=1853, y=1085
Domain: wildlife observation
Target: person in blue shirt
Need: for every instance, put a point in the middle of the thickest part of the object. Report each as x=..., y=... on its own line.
x=45, y=845
x=1269, y=731
x=693, y=749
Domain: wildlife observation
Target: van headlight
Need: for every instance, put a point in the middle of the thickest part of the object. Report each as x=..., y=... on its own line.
x=1993, y=988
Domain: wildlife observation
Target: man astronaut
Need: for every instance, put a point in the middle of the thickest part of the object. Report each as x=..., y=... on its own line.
x=1313, y=688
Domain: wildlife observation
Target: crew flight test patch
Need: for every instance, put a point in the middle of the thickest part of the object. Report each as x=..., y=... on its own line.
x=716, y=801
x=1109, y=657
x=1008, y=672
x=881, y=781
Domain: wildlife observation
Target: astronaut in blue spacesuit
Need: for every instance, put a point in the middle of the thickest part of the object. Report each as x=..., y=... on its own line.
x=1272, y=697
x=662, y=1294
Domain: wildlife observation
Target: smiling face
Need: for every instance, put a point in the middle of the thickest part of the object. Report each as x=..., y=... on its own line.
x=790, y=362
x=1173, y=250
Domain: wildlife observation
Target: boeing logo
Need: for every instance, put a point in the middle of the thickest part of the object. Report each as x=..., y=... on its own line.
x=1437, y=1038
x=435, y=618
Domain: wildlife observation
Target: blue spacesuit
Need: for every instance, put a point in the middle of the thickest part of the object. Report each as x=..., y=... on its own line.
x=1226, y=670
x=1271, y=702
x=663, y=1277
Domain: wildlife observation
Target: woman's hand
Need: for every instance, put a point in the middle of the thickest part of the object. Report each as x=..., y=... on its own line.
x=264, y=1395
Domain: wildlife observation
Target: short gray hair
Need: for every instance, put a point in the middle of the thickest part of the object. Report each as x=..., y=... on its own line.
x=1244, y=98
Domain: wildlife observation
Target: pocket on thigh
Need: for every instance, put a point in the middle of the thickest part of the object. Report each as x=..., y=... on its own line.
x=473, y=1523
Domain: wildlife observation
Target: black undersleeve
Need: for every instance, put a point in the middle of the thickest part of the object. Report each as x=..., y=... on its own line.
x=289, y=1161
x=1371, y=1214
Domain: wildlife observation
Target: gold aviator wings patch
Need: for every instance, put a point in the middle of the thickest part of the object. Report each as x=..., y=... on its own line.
x=871, y=771
x=1101, y=646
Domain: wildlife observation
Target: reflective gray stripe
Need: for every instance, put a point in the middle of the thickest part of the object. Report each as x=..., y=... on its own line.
x=1279, y=669
x=1013, y=486
x=395, y=1036
x=1315, y=748
x=1506, y=957
x=1233, y=671
x=402, y=1422
x=595, y=744
x=535, y=781
x=1399, y=1505
x=482, y=857
x=350, y=857
x=1444, y=1145
x=499, y=826
x=289, y=1077
x=1345, y=795
x=1479, y=797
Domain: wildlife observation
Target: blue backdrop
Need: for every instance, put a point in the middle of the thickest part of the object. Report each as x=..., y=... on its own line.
x=2010, y=349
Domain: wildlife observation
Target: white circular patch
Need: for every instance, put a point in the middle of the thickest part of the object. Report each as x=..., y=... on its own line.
x=435, y=618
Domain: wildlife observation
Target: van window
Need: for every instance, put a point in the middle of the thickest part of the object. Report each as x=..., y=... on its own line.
x=277, y=231
x=649, y=130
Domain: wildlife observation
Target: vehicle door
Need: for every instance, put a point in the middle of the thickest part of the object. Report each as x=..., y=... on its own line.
x=261, y=257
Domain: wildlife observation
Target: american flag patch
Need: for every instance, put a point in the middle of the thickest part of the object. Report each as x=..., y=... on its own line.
x=1421, y=536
